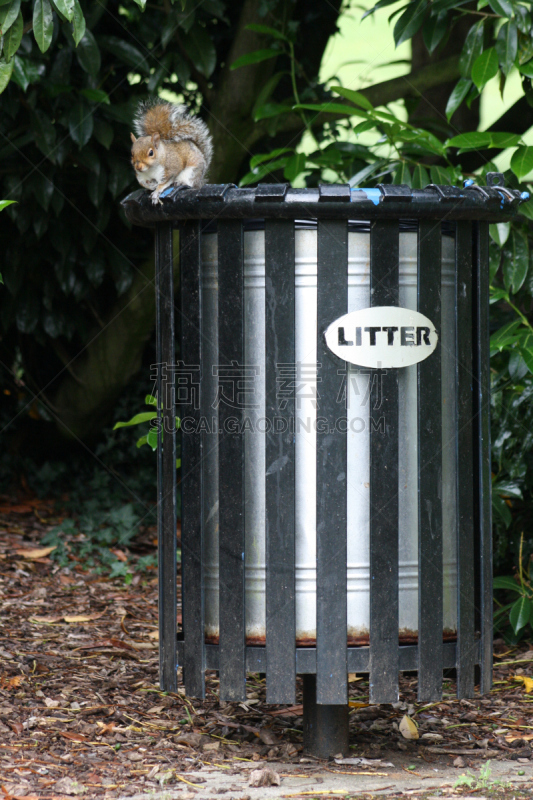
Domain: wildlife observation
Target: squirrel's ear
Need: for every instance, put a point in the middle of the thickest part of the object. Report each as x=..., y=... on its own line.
x=133, y=139
x=155, y=140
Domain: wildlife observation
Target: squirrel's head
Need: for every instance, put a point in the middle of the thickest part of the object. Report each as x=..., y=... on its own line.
x=145, y=151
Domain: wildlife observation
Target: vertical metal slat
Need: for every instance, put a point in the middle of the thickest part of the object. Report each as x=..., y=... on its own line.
x=430, y=588
x=231, y=466
x=280, y=463
x=331, y=504
x=384, y=433
x=483, y=471
x=166, y=458
x=466, y=644
x=191, y=475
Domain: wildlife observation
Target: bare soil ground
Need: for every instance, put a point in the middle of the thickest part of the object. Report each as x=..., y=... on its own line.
x=81, y=713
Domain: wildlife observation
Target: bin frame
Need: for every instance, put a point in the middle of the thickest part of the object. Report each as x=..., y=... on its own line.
x=470, y=209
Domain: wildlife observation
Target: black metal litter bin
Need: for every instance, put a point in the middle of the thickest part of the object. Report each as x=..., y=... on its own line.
x=347, y=529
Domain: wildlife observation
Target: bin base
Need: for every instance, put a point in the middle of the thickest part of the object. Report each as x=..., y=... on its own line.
x=325, y=727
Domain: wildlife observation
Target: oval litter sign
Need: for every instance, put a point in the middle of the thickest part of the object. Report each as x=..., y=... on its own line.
x=383, y=336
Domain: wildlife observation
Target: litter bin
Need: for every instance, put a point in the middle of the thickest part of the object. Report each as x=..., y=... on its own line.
x=333, y=387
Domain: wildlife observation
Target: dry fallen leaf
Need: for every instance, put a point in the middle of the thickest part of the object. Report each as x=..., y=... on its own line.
x=49, y=620
x=12, y=683
x=528, y=682
x=408, y=728
x=268, y=737
x=83, y=617
x=75, y=737
x=264, y=777
x=105, y=728
x=154, y=635
x=144, y=645
x=39, y=552
x=120, y=554
x=527, y=737
x=16, y=727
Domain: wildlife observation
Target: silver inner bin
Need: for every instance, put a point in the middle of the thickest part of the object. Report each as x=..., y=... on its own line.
x=355, y=388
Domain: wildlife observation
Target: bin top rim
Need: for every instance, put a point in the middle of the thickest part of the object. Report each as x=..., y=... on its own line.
x=493, y=203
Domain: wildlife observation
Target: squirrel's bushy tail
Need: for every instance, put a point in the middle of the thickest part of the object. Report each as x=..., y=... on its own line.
x=173, y=123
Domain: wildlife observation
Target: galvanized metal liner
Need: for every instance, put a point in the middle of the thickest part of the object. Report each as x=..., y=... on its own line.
x=357, y=386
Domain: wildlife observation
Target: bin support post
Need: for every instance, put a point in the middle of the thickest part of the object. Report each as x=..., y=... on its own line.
x=325, y=727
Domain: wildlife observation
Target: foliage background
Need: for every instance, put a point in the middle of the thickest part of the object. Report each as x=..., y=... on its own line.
x=77, y=308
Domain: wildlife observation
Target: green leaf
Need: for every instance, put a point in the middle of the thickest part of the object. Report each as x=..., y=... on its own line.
x=127, y=53
x=410, y=21
x=295, y=166
x=96, y=96
x=8, y=15
x=459, y=92
x=440, y=176
x=255, y=57
x=13, y=37
x=434, y=30
x=261, y=172
x=144, y=416
x=502, y=7
x=5, y=203
x=88, y=54
x=507, y=45
x=66, y=8
x=266, y=91
x=266, y=29
x=380, y=4
x=504, y=140
x=470, y=141
x=261, y=157
x=526, y=349
x=150, y=400
x=485, y=67
x=526, y=209
x=6, y=68
x=362, y=127
x=332, y=108
x=520, y=613
x=501, y=509
x=43, y=24
x=499, y=232
x=507, y=489
x=507, y=583
x=201, y=50
x=522, y=161
x=356, y=97
x=103, y=132
x=527, y=69
x=420, y=177
x=152, y=438
x=80, y=123
x=270, y=110
x=472, y=49
x=141, y=4
x=515, y=268
x=505, y=336
x=78, y=23
x=402, y=175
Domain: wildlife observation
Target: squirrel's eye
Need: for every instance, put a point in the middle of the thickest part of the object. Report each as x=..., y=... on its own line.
x=150, y=152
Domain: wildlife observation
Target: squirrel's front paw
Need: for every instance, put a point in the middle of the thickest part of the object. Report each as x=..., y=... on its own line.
x=155, y=197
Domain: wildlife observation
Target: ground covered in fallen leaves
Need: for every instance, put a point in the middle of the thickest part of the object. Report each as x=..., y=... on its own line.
x=81, y=712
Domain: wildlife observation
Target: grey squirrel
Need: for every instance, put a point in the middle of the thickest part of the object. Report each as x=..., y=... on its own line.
x=173, y=148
